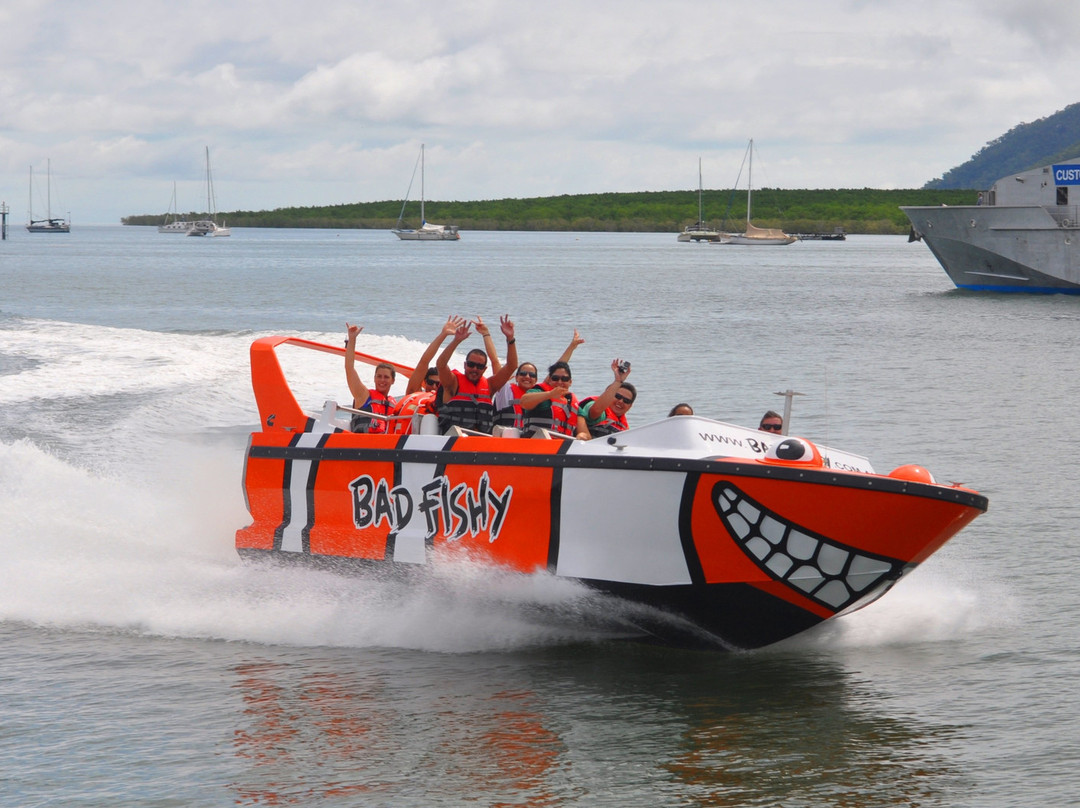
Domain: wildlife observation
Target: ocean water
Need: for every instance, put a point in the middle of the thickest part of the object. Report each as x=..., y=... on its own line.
x=144, y=665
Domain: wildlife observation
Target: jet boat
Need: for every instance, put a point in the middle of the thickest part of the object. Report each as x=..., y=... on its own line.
x=721, y=536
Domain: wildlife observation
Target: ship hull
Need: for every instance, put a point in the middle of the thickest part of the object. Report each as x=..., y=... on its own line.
x=1003, y=249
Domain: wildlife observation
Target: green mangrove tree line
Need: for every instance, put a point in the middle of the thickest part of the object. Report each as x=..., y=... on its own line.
x=864, y=210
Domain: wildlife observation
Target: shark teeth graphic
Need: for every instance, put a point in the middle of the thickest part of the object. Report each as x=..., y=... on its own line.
x=833, y=574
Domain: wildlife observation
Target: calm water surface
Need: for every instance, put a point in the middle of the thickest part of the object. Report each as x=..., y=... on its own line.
x=145, y=666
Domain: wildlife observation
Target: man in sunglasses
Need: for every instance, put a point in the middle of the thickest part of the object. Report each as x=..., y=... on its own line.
x=420, y=392
x=771, y=422
x=466, y=398
x=606, y=413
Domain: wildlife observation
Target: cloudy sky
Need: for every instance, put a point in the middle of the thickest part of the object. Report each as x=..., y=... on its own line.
x=328, y=102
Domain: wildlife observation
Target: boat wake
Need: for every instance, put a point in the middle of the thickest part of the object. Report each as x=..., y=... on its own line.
x=119, y=503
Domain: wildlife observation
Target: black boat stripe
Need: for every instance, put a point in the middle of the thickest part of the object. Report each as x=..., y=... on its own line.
x=286, y=500
x=686, y=530
x=309, y=493
x=555, y=536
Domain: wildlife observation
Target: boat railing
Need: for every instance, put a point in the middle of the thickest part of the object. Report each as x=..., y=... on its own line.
x=332, y=410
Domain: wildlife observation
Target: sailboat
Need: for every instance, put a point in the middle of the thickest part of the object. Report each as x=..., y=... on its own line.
x=48, y=224
x=209, y=227
x=699, y=231
x=764, y=236
x=426, y=231
x=173, y=223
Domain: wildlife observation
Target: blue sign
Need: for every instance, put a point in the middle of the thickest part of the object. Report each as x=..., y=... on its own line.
x=1067, y=174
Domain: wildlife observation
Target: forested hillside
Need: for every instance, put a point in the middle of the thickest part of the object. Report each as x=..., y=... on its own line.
x=865, y=210
x=1029, y=145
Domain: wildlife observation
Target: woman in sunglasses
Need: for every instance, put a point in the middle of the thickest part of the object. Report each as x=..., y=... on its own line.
x=606, y=413
x=550, y=405
x=508, y=409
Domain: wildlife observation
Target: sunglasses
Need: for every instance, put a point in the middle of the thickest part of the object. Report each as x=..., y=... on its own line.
x=771, y=427
x=624, y=399
x=560, y=378
x=528, y=373
x=475, y=365
x=432, y=380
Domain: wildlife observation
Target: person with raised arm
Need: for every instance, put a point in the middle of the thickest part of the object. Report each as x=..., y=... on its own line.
x=466, y=397
x=377, y=401
x=423, y=381
x=508, y=410
x=550, y=405
x=606, y=413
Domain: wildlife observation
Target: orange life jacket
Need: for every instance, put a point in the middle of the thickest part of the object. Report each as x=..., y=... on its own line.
x=414, y=403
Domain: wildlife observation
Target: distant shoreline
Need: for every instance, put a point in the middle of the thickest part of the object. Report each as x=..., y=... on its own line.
x=857, y=211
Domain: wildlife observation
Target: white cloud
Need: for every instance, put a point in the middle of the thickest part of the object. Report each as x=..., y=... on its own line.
x=328, y=104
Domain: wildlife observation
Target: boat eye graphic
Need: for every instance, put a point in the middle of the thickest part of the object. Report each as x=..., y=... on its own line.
x=794, y=450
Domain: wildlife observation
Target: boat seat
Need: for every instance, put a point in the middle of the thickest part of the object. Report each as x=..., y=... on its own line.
x=425, y=424
x=459, y=432
x=506, y=432
x=330, y=419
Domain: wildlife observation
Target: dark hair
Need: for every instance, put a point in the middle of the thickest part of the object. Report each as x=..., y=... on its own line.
x=631, y=388
x=771, y=414
x=523, y=364
x=560, y=366
x=431, y=370
x=679, y=406
x=479, y=351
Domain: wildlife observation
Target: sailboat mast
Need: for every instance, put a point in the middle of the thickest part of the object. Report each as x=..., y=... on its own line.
x=749, y=180
x=48, y=189
x=209, y=211
x=423, y=218
x=700, y=209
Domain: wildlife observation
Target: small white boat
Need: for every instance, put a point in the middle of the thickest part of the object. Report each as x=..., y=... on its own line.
x=214, y=228
x=699, y=230
x=173, y=223
x=426, y=231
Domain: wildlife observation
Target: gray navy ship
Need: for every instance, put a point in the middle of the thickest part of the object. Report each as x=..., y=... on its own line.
x=1021, y=236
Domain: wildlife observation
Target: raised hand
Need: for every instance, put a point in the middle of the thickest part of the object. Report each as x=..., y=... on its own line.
x=506, y=325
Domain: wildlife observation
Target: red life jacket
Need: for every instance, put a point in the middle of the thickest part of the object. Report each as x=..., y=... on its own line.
x=561, y=418
x=608, y=422
x=470, y=408
x=379, y=404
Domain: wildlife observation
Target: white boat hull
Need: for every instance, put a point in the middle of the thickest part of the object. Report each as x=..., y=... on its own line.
x=429, y=233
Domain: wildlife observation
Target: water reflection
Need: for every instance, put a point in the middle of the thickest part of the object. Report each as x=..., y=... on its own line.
x=611, y=724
